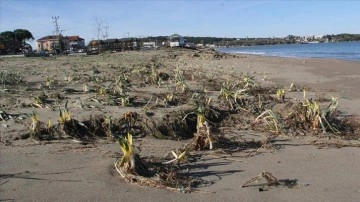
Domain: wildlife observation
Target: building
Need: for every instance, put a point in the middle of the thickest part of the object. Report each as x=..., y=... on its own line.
x=75, y=43
x=52, y=42
x=176, y=40
x=115, y=44
x=149, y=45
x=47, y=43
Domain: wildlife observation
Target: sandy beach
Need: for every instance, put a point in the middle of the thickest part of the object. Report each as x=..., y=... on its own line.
x=313, y=167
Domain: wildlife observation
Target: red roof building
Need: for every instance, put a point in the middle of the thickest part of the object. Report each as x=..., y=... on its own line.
x=49, y=43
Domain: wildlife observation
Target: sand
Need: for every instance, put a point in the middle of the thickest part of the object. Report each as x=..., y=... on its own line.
x=68, y=171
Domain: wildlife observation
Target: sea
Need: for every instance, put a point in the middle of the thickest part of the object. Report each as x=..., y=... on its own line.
x=332, y=50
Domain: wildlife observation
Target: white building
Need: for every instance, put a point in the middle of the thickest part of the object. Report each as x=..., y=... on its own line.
x=176, y=40
x=149, y=44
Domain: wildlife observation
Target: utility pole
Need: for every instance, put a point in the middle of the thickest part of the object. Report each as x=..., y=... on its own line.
x=106, y=32
x=106, y=37
x=57, y=31
x=99, y=25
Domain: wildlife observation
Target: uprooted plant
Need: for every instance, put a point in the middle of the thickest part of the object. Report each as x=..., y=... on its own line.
x=40, y=130
x=130, y=163
x=202, y=139
x=271, y=120
x=314, y=118
x=135, y=169
x=69, y=126
x=280, y=94
x=230, y=94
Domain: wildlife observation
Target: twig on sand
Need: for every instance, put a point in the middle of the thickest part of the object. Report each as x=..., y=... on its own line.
x=271, y=180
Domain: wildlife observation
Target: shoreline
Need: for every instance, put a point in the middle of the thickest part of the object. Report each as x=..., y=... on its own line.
x=305, y=49
x=315, y=72
x=294, y=57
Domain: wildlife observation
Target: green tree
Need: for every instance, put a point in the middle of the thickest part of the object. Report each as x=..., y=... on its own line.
x=19, y=35
x=7, y=36
x=23, y=35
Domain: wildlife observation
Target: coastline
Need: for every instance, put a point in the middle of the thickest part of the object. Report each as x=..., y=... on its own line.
x=322, y=73
x=345, y=51
x=69, y=171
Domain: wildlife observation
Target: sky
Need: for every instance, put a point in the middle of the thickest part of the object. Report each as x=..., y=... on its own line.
x=215, y=18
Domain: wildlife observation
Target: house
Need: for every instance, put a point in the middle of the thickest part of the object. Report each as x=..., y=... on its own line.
x=47, y=43
x=75, y=42
x=176, y=40
x=52, y=42
x=115, y=44
x=149, y=45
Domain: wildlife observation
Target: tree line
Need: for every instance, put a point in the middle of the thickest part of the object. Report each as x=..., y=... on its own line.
x=18, y=35
x=22, y=35
x=221, y=41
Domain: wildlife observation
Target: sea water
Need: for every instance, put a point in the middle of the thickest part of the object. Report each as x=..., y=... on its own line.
x=338, y=50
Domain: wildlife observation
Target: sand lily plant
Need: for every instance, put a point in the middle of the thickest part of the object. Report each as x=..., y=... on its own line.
x=34, y=128
x=130, y=163
x=320, y=118
x=280, y=94
x=271, y=120
x=227, y=94
x=65, y=115
x=127, y=162
x=203, y=138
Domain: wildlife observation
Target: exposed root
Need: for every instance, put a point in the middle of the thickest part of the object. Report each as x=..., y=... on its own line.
x=202, y=139
x=163, y=177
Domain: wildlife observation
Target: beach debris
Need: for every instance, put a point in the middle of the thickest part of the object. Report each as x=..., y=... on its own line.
x=321, y=144
x=271, y=181
x=4, y=116
x=134, y=169
x=177, y=158
x=269, y=177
